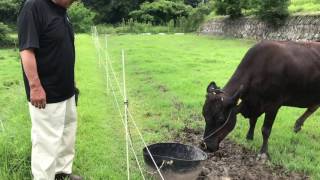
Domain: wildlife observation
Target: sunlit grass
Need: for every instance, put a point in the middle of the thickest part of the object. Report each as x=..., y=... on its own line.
x=304, y=6
x=185, y=65
x=166, y=81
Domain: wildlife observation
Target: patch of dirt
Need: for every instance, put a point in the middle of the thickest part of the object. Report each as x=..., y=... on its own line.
x=150, y=114
x=162, y=88
x=195, y=117
x=8, y=84
x=147, y=79
x=178, y=105
x=192, y=134
x=234, y=162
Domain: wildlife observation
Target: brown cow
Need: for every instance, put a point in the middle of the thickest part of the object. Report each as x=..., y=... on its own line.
x=272, y=74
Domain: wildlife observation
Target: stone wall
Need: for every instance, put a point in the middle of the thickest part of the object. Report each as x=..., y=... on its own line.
x=295, y=28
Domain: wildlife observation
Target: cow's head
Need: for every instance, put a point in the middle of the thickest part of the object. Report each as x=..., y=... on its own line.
x=219, y=112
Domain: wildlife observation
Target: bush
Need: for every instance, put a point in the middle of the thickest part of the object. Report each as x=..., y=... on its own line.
x=273, y=12
x=132, y=26
x=195, y=19
x=194, y=3
x=250, y=7
x=106, y=29
x=229, y=7
x=9, y=10
x=81, y=17
x=112, y=11
x=135, y=27
x=161, y=12
x=5, y=40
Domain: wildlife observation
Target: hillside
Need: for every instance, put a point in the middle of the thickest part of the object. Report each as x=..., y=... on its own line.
x=304, y=6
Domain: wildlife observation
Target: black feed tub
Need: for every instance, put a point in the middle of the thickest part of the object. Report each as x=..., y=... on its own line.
x=176, y=161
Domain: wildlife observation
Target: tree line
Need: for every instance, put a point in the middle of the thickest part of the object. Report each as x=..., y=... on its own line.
x=163, y=11
x=188, y=14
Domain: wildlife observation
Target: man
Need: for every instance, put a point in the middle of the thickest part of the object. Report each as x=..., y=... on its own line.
x=46, y=43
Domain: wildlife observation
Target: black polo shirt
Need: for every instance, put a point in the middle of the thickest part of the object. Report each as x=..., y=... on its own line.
x=45, y=27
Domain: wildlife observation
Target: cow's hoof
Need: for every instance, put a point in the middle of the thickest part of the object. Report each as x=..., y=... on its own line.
x=262, y=157
x=296, y=129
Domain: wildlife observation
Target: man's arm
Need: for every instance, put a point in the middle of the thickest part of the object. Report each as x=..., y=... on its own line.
x=37, y=93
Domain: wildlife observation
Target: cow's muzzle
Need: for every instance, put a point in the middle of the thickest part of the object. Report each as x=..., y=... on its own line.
x=203, y=145
x=209, y=146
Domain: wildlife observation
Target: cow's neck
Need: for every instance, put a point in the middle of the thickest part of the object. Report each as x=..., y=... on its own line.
x=234, y=84
x=317, y=45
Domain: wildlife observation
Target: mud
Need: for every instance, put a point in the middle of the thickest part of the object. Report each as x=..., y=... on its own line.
x=234, y=162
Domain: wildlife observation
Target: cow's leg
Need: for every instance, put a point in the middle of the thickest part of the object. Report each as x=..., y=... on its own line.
x=305, y=115
x=250, y=133
x=266, y=131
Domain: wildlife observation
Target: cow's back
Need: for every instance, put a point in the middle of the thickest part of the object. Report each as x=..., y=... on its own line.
x=285, y=72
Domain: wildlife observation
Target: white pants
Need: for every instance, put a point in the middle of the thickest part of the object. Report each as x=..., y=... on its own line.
x=53, y=138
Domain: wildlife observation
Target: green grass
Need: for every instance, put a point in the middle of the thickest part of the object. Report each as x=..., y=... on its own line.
x=166, y=80
x=100, y=144
x=185, y=65
x=14, y=139
x=296, y=7
x=132, y=27
x=304, y=6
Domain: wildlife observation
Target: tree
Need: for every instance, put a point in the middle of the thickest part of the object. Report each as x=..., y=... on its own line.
x=194, y=3
x=4, y=38
x=8, y=14
x=81, y=17
x=111, y=11
x=161, y=12
x=9, y=10
x=229, y=7
x=195, y=18
x=273, y=11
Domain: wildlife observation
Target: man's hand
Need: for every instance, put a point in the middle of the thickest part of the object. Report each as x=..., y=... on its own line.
x=37, y=93
x=38, y=97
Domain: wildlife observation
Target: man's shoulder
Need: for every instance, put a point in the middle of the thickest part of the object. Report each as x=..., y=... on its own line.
x=34, y=3
x=35, y=8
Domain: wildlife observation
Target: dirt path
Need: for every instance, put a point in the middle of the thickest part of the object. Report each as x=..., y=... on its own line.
x=233, y=161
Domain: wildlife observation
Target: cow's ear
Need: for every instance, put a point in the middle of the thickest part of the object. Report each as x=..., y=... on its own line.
x=212, y=87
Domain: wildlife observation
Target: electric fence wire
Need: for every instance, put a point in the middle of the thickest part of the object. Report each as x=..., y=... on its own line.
x=116, y=102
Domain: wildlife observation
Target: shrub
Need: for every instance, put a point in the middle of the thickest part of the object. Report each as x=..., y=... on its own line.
x=234, y=8
x=273, y=12
x=250, y=7
x=161, y=12
x=81, y=17
x=106, y=29
x=229, y=7
x=195, y=19
x=112, y=11
x=9, y=10
x=5, y=40
x=132, y=26
x=194, y=3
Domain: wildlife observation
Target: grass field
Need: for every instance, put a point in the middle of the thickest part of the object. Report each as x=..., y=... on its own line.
x=296, y=7
x=185, y=65
x=304, y=6
x=166, y=80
